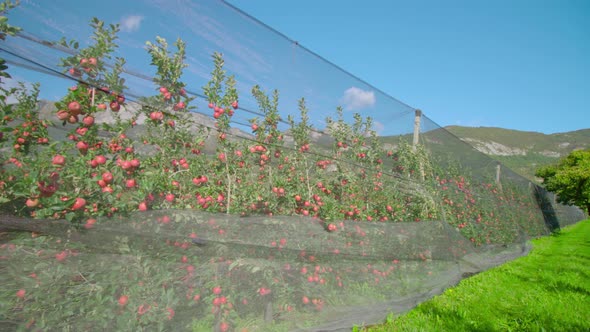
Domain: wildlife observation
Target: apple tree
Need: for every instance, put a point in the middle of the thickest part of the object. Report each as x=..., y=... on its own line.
x=569, y=179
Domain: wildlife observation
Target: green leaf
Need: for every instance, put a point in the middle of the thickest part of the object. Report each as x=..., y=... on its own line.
x=70, y=216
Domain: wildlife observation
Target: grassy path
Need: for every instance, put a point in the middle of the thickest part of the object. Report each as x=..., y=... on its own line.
x=548, y=290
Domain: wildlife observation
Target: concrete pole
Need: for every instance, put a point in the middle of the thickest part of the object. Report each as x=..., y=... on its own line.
x=415, y=141
x=498, y=173
x=417, y=118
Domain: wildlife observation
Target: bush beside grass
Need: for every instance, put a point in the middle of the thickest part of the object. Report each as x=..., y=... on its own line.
x=548, y=290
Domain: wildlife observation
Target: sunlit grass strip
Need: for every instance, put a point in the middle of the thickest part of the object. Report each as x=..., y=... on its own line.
x=548, y=290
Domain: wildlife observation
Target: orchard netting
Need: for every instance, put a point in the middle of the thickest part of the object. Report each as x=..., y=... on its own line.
x=186, y=167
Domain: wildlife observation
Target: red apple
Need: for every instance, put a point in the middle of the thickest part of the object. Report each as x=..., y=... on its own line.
x=107, y=177
x=60, y=257
x=115, y=107
x=73, y=119
x=81, y=131
x=170, y=313
x=156, y=116
x=88, y=121
x=100, y=159
x=126, y=165
x=74, y=72
x=135, y=163
x=179, y=106
x=82, y=146
x=74, y=107
x=32, y=202
x=79, y=203
x=123, y=299
x=58, y=160
x=63, y=115
x=90, y=223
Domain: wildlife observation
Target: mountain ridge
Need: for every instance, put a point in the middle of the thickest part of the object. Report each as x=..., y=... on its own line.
x=522, y=151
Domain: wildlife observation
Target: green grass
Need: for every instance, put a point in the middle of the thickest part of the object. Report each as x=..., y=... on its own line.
x=548, y=290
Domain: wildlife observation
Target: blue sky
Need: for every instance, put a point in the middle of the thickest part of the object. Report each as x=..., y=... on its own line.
x=514, y=64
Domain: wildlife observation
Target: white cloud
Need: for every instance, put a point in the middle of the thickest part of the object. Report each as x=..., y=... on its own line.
x=131, y=23
x=355, y=99
x=378, y=127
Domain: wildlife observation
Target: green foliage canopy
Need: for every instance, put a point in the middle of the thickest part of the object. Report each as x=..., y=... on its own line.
x=569, y=179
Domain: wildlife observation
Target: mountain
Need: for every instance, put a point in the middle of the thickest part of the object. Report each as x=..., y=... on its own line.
x=522, y=151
